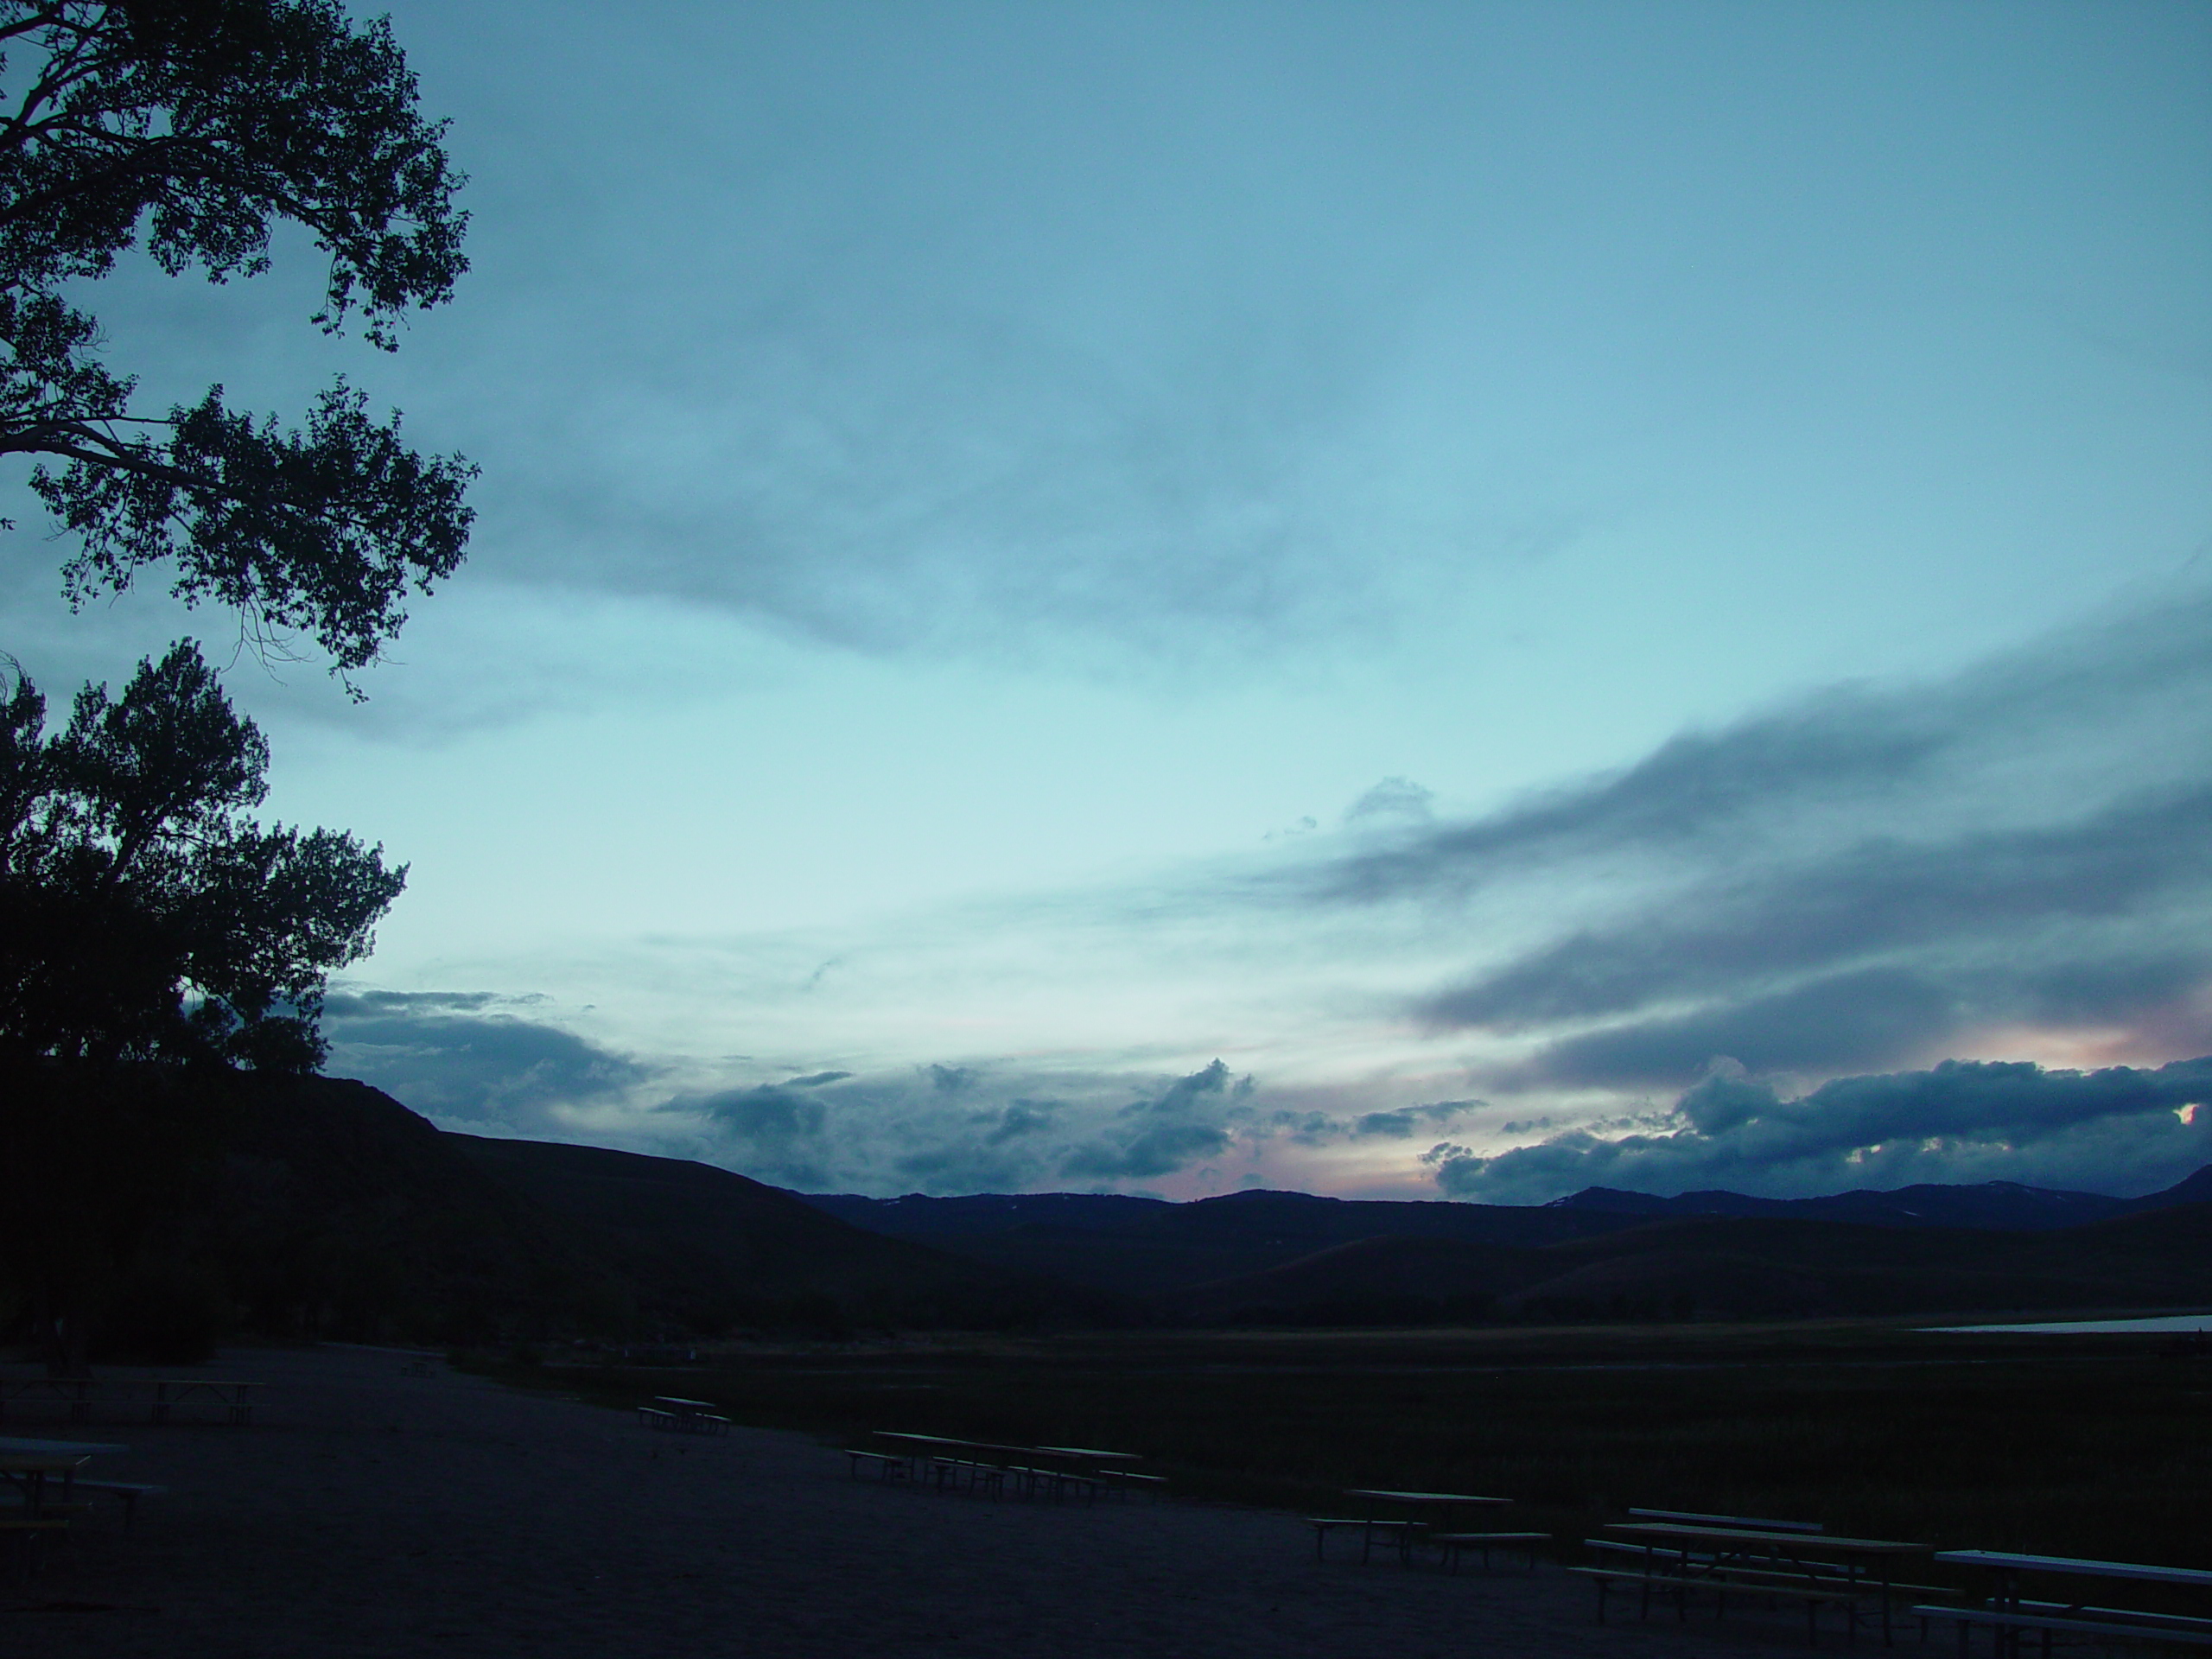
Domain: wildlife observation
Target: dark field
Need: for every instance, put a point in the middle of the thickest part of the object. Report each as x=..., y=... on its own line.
x=2084, y=1446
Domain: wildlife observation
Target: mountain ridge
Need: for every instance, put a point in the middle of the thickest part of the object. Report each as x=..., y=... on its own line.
x=1154, y=1249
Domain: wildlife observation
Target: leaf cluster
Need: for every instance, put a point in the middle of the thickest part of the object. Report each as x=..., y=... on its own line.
x=192, y=127
x=145, y=913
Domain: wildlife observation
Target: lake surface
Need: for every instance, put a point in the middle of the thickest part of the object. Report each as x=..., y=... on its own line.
x=2164, y=1322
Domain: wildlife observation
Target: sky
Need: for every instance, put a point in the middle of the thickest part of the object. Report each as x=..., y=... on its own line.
x=1401, y=600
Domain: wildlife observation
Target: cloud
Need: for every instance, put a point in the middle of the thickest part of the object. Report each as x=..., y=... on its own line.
x=1023, y=1117
x=456, y=1057
x=1865, y=879
x=945, y=1128
x=1157, y=1137
x=1161, y=1149
x=2105, y=707
x=1393, y=798
x=1185, y=1093
x=1402, y=1123
x=772, y=1132
x=1314, y=1128
x=2119, y=1129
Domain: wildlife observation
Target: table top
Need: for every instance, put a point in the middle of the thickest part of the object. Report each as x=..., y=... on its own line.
x=58, y=1448
x=949, y=1441
x=1423, y=1497
x=1811, y=1543
x=1691, y=1518
x=951, y=1444
x=39, y=1462
x=940, y=1439
x=671, y=1399
x=2075, y=1566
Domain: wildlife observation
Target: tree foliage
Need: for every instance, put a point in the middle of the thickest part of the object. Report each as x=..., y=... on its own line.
x=194, y=127
x=144, y=913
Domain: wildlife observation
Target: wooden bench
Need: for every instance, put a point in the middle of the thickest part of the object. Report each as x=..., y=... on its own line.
x=1816, y=1596
x=2008, y=1611
x=2081, y=1621
x=1699, y=1559
x=1456, y=1544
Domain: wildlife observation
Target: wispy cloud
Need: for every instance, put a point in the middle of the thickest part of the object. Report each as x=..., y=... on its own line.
x=1861, y=879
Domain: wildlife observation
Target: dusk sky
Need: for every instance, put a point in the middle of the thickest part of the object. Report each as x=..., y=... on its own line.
x=1460, y=601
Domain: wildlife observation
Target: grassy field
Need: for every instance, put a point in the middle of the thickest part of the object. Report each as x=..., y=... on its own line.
x=2088, y=1445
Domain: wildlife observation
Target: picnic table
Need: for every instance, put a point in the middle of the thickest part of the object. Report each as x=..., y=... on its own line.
x=79, y=1395
x=1815, y=1567
x=43, y=1516
x=2007, y=1615
x=930, y=1445
x=235, y=1398
x=1405, y=1530
x=1090, y=1453
x=1734, y=1523
x=128, y=1492
x=28, y=1472
x=983, y=1464
x=683, y=1416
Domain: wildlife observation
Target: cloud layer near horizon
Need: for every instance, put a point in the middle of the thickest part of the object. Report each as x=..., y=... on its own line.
x=2119, y=1129
x=1808, y=908
x=949, y=1129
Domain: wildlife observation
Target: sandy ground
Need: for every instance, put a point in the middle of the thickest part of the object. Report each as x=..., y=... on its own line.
x=371, y=1511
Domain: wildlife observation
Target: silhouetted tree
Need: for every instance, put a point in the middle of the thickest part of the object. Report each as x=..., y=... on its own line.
x=144, y=915
x=153, y=934
x=194, y=126
x=147, y=920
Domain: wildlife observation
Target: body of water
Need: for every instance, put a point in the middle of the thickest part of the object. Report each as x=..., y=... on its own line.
x=2164, y=1322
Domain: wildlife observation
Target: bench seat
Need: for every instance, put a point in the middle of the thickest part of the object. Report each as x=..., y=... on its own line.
x=2167, y=1627
x=1816, y=1596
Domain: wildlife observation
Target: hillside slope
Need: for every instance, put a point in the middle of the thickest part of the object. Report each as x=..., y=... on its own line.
x=323, y=1207
x=713, y=1248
